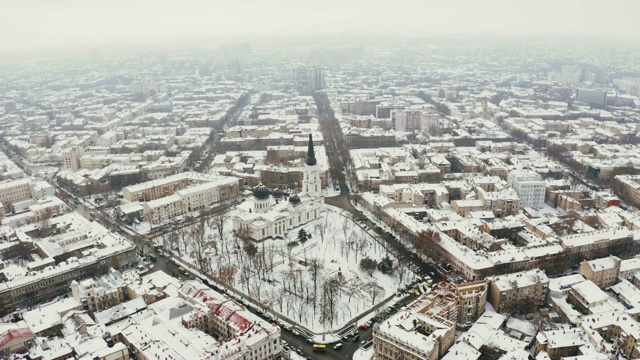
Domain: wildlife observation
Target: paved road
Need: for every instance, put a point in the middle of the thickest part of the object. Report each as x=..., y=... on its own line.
x=348, y=347
x=338, y=154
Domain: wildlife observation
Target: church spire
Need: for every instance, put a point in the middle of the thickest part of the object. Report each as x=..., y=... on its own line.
x=311, y=155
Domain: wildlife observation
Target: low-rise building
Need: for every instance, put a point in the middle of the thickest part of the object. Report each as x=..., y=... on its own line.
x=15, y=340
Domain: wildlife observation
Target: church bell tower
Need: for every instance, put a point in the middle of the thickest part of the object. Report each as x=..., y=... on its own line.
x=311, y=176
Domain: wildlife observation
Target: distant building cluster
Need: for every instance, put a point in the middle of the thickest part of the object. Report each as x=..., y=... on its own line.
x=510, y=171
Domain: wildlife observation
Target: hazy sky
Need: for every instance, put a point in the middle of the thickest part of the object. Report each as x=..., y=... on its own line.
x=29, y=24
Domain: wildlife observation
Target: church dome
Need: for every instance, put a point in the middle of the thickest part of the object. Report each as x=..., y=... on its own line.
x=294, y=199
x=261, y=192
x=277, y=193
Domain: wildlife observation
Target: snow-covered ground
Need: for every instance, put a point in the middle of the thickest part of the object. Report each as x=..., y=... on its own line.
x=318, y=283
x=362, y=354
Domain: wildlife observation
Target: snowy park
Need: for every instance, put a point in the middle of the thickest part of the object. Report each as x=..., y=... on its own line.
x=321, y=275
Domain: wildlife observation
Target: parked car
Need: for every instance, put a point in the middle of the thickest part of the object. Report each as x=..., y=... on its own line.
x=363, y=327
x=337, y=346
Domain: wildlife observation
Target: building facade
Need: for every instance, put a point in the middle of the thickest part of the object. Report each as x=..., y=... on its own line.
x=602, y=272
x=271, y=215
x=523, y=289
x=194, y=198
x=413, y=336
x=529, y=186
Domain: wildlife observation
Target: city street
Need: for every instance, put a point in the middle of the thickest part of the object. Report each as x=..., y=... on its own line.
x=336, y=152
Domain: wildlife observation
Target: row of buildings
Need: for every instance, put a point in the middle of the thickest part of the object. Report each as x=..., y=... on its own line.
x=180, y=194
x=122, y=316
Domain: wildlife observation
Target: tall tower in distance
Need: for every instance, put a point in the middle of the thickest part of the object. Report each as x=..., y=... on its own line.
x=311, y=175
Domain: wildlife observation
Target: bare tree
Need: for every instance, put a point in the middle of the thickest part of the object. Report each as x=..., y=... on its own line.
x=375, y=291
x=427, y=242
x=171, y=241
x=257, y=287
x=245, y=276
x=184, y=236
x=315, y=268
x=321, y=228
x=227, y=274
x=330, y=296
x=346, y=227
x=289, y=301
x=360, y=244
x=399, y=271
x=199, y=245
x=270, y=255
x=280, y=297
x=301, y=309
x=217, y=221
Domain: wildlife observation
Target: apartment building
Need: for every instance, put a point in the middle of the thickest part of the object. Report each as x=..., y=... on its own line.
x=529, y=186
x=472, y=299
x=596, y=243
x=97, y=294
x=14, y=191
x=231, y=322
x=461, y=303
x=502, y=203
x=617, y=331
x=190, y=199
x=526, y=288
x=602, y=272
x=71, y=158
x=413, y=335
x=15, y=339
x=629, y=188
x=629, y=267
x=561, y=343
x=157, y=189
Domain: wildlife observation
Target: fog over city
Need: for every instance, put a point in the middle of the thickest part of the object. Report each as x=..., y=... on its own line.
x=30, y=24
x=320, y=180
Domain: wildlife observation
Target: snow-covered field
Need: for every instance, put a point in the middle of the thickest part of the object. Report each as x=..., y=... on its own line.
x=318, y=283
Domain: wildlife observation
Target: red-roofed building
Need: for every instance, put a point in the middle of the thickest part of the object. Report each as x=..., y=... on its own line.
x=15, y=340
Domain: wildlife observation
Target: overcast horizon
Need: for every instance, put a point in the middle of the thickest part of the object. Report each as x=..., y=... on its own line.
x=41, y=24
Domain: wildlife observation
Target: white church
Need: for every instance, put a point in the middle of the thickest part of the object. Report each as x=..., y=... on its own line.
x=272, y=215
